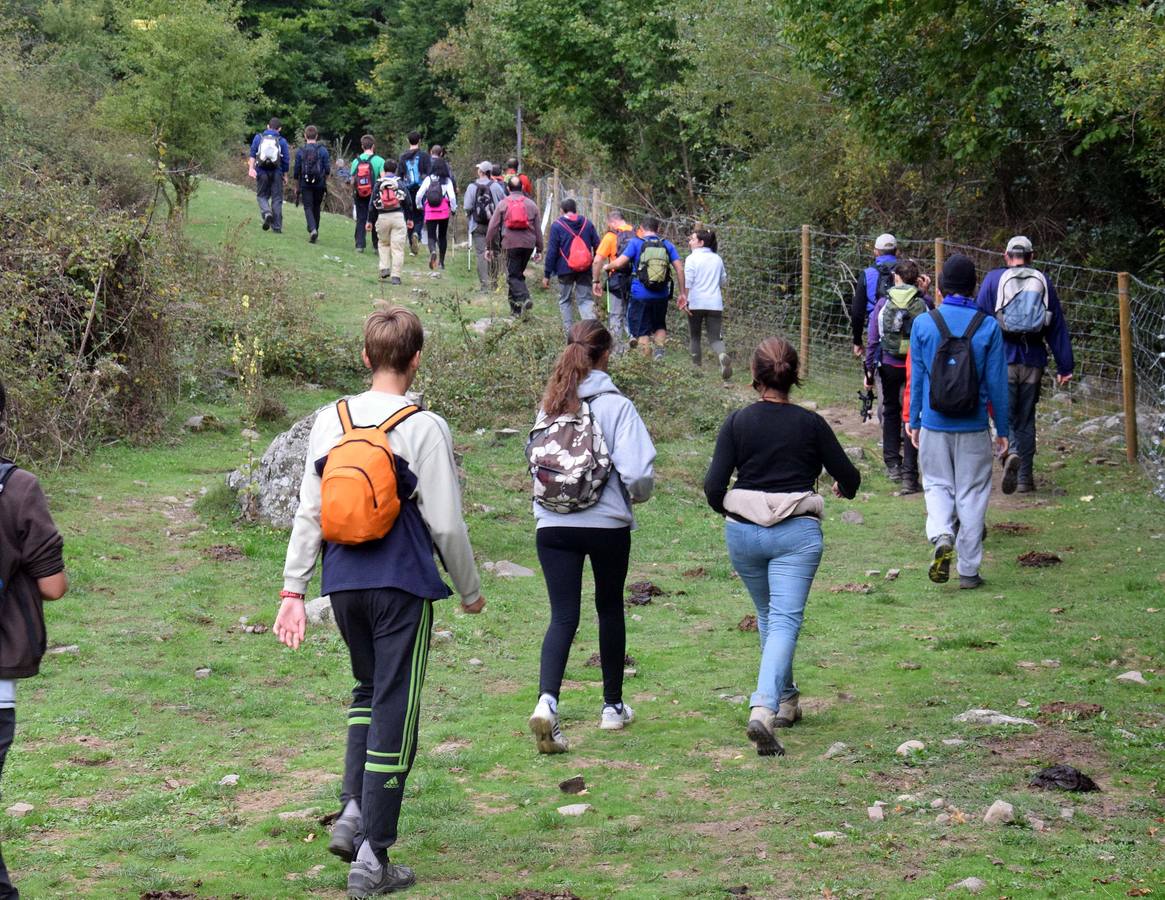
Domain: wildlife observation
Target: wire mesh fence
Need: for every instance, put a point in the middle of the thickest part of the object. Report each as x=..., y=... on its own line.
x=766, y=268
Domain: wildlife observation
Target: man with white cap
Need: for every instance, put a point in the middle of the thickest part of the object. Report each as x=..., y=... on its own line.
x=875, y=282
x=481, y=199
x=1024, y=303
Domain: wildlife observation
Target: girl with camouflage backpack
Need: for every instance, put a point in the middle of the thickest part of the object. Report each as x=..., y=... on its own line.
x=591, y=458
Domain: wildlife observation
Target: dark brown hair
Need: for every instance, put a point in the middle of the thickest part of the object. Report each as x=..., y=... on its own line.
x=311, y=133
x=908, y=271
x=586, y=345
x=368, y=142
x=392, y=337
x=774, y=365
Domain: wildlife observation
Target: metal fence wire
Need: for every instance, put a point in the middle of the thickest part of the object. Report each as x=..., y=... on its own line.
x=765, y=297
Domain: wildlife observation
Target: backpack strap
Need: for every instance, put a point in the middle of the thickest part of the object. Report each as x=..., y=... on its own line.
x=941, y=324
x=976, y=321
x=345, y=416
x=397, y=417
x=6, y=470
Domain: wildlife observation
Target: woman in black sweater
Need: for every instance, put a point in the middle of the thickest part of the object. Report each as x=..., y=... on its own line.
x=773, y=521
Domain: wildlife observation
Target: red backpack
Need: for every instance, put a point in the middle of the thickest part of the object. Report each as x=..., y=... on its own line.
x=364, y=178
x=580, y=257
x=516, y=218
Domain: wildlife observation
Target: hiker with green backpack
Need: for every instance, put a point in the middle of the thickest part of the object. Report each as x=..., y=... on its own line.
x=651, y=260
x=887, y=344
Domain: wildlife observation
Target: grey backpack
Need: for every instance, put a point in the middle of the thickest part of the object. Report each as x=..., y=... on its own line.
x=569, y=460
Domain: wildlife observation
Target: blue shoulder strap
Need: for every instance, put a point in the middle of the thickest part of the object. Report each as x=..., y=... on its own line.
x=6, y=470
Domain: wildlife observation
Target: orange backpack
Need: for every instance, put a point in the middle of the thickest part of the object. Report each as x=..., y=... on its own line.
x=358, y=499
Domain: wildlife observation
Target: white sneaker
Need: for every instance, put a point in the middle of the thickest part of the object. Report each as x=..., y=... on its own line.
x=613, y=720
x=548, y=734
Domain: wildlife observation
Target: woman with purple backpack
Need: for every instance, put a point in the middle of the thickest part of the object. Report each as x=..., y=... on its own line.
x=591, y=458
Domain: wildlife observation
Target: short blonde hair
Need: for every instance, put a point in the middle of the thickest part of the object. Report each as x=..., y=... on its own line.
x=392, y=337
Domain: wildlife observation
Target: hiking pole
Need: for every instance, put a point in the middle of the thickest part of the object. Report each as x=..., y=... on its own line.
x=468, y=243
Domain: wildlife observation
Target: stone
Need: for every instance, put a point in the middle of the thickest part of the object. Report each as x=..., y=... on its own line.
x=475, y=662
x=907, y=748
x=1067, y=812
x=1050, y=663
x=1127, y=735
x=1036, y=824
x=503, y=568
x=909, y=666
x=203, y=672
x=971, y=885
x=574, y=809
x=504, y=433
x=835, y=749
x=250, y=434
x=294, y=815
x=875, y=813
x=906, y=798
x=990, y=717
x=953, y=742
x=67, y=648
x=20, y=809
x=442, y=637
x=1000, y=813
x=1023, y=704
x=1131, y=677
x=873, y=573
x=942, y=819
x=853, y=517
x=938, y=803
x=205, y=422
x=892, y=574
x=828, y=837
x=319, y=611
x=855, y=453
x=229, y=780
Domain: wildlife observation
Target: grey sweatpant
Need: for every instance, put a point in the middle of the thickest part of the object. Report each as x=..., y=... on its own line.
x=956, y=478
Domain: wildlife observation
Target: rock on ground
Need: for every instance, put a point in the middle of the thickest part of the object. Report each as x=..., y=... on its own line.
x=973, y=885
x=20, y=809
x=1000, y=813
x=853, y=517
x=1131, y=677
x=503, y=568
x=828, y=836
x=319, y=611
x=835, y=749
x=990, y=717
x=908, y=747
x=875, y=813
x=574, y=809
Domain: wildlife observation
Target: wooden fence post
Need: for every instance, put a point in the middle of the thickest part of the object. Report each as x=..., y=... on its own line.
x=805, y=275
x=940, y=257
x=595, y=195
x=555, y=198
x=1128, y=373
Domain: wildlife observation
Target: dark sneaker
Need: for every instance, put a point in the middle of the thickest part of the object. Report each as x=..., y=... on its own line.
x=359, y=249
x=1010, y=465
x=276, y=230
x=788, y=713
x=909, y=486
x=761, y=734
x=527, y=306
x=414, y=243
x=344, y=834
x=267, y=220
x=432, y=260
x=894, y=473
x=394, y=280
x=725, y=366
x=364, y=881
x=1024, y=487
x=311, y=238
x=383, y=274
x=970, y=582
x=944, y=552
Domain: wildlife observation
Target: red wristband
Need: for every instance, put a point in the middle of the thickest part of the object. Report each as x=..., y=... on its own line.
x=291, y=595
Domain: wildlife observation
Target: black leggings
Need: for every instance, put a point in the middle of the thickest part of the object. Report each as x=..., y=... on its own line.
x=561, y=552
x=438, y=230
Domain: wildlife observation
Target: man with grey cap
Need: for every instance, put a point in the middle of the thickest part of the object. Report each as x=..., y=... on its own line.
x=1024, y=303
x=481, y=199
x=875, y=282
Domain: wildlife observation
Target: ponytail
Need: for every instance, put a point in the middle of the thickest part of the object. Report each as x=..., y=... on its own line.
x=588, y=341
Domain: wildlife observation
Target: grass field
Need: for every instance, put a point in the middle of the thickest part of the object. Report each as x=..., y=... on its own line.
x=121, y=744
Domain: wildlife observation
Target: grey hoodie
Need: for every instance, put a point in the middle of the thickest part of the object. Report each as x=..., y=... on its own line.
x=632, y=453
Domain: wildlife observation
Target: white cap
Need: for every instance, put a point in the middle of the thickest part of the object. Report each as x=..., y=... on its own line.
x=1019, y=244
x=485, y=166
x=885, y=242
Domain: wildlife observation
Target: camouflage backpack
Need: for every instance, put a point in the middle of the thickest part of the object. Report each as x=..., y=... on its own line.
x=569, y=460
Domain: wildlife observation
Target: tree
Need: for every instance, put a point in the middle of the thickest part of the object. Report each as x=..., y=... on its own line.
x=188, y=77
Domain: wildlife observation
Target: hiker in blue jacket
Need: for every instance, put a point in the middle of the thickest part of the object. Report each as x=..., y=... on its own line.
x=954, y=448
x=1032, y=319
x=576, y=282
x=875, y=282
x=312, y=165
x=268, y=164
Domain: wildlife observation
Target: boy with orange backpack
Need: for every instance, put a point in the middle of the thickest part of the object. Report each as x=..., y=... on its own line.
x=570, y=253
x=379, y=494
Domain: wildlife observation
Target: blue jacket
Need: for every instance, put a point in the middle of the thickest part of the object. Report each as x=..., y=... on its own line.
x=284, y=149
x=325, y=163
x=865, y=290
x=562, y=232
x=987, y=348
x=1031, y=350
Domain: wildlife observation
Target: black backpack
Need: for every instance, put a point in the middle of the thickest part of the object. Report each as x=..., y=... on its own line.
x=954, y=381
x=435, y=193
x=484, y=204
x=22, y=626
x=313, y=170
x=885, y=280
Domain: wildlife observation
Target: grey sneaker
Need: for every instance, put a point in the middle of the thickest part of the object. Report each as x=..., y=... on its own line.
x=548, y=734
x=383, y=274
x=1010, y=464
x=761, y=734
x=613, y=719
x=788, y=713
x=944, y=552
x=344, y=833
x=725, y=366
x=365, y=881
x=1025, y=487
x=970, y=582
x=394, y=280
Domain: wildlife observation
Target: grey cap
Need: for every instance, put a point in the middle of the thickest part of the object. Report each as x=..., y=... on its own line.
x=885, y=242
x=1019, y=244
x=485, y=166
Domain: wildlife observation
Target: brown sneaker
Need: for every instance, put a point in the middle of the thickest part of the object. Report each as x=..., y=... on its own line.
x=761, y=733
x=788, y=713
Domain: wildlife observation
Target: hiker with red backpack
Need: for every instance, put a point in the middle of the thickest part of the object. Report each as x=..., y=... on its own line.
x=392, y=203
x=268, y=164
x=591, y=458
x=570, y=253
x=438, y=198
x=366, y=171
x=516, y=221
x=380, y=498
x=312, y=165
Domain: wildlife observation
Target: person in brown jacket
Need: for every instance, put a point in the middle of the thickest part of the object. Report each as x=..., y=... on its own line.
x=516, y=217
x=31, y=570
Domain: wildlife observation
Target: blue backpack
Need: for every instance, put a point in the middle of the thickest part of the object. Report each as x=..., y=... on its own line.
x=1021, y=301
x=413, y=170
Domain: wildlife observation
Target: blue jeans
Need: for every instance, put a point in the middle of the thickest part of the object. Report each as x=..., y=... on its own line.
x=777, y=565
